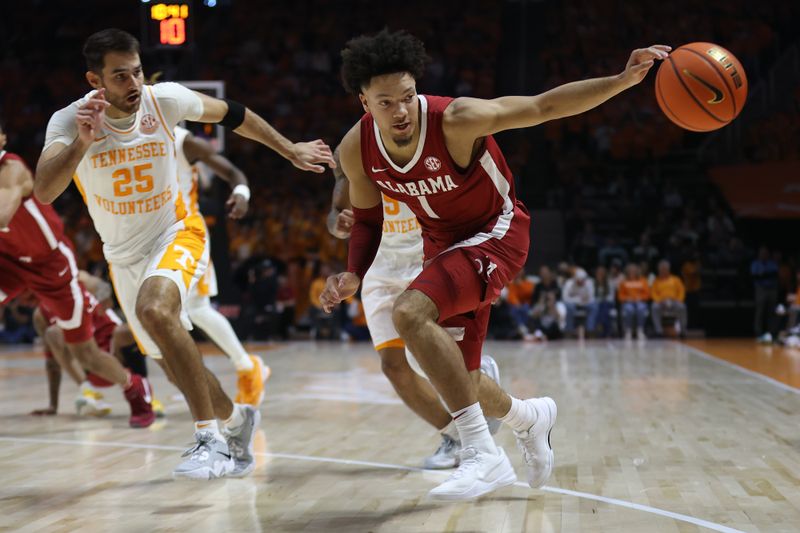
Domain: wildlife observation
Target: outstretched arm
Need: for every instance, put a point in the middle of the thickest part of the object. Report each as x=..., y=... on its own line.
x=16, y=182
x=340, y=217
x=197, y=149
x=304, y=155
x=473, y=118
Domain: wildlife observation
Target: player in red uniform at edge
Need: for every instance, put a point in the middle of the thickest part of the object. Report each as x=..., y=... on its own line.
x=437, y=155
x=35, y=255
x=111, y=335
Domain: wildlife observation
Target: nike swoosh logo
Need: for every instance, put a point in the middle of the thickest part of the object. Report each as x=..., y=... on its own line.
x=225, y=455
x=60, y=274
x=379, y=169
x=716, y=94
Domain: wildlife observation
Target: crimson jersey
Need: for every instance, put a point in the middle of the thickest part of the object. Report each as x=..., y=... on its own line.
x=34, y=231
x=455, y=207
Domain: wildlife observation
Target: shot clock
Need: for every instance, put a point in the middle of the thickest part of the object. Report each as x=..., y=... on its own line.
x=167, y=25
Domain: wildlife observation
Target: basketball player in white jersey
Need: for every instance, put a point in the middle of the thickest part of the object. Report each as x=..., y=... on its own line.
x=117, y=144
x=397, y=263
x=251, y=370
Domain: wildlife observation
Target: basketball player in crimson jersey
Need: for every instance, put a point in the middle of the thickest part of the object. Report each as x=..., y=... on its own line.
x=438, y=156
x=35, y=254
x=397, y=263
x=112, y=336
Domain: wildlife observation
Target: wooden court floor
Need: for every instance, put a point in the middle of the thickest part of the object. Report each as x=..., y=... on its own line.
x=653, y=437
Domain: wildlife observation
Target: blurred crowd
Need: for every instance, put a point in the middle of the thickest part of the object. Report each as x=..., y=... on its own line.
x=626, y=212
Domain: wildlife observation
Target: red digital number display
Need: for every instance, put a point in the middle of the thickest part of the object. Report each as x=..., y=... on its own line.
x=169, y=24
x=173, y=32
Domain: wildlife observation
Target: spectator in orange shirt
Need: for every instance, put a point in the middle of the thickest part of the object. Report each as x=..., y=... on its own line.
x=519, y=294
x=668, y=295
x=633, y=293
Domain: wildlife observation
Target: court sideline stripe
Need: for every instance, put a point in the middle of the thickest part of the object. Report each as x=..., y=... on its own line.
x=709, y=357
x=388, y=466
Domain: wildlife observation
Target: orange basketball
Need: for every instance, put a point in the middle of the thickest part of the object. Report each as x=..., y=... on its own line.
x=701, y=87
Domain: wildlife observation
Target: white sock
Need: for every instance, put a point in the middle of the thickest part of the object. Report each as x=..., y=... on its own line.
x=521, y=416
x=221, y=332
x=450, y=430
x=208, y=425
x=472, y=429
x=236, y=419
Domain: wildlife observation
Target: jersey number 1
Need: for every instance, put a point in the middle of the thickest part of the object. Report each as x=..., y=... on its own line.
x=122, y=180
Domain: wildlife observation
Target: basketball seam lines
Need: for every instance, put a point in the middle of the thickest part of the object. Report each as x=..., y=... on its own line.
x=718, y=73
x=670, y=111
x=686, y=87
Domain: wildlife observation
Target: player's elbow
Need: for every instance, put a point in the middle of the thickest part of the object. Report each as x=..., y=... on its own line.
x=41, y=193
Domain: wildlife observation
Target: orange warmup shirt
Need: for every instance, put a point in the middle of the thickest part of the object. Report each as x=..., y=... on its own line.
x=520, y=292
x=635, y=290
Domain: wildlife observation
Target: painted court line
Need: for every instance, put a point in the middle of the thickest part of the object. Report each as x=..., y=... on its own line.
x=555, y=490
x=707, y=356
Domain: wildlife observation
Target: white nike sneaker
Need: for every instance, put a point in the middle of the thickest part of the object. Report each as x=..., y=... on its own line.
x=535, y=442
x=208, y=458
x=479, y=473
x=240, y=442
x=490, y=368
x=445, y=456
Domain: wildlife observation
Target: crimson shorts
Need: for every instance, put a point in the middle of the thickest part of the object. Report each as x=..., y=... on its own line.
x=54, y=281
x=104, y=322
x=464, y=282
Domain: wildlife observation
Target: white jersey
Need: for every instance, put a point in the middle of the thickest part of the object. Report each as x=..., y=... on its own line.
x=397, y=263
x=401, y=241
x=188, y=174
x=129, y=176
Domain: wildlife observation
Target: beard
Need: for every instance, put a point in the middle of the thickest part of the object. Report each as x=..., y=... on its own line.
x=124, y=105
x=403, y=141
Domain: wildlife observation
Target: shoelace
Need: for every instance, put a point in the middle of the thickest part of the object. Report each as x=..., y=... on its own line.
x=468, y=457
x=529, y=457
x=235, y=447
x=447, y=444
x=203, y=443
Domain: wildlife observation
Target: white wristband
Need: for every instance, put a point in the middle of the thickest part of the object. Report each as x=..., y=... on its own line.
x=243, y=191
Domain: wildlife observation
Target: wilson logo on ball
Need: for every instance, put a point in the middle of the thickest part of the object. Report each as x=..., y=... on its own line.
x=432, y=163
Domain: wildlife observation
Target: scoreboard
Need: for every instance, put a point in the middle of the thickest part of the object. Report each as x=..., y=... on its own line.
x=167, y=25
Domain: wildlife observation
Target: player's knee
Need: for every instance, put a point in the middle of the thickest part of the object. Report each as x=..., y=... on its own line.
x=396, y=369
x=404, y=317
x=410, y=312
x=122, y=336
x=53, y=337
x=153, y=313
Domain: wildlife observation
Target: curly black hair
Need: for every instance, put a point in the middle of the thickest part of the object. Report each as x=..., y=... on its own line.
x=386, y=52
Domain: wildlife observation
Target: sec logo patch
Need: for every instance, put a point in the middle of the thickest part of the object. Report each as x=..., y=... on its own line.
x=432, y=163
x=149, y=124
